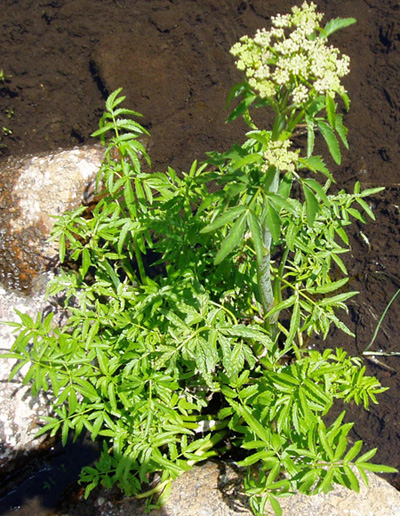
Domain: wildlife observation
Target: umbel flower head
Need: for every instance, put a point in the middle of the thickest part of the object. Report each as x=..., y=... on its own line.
x=278, y=155
x=295, y=55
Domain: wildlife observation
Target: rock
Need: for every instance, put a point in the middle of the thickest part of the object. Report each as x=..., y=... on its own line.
x=32, y=190
x=216, y=490
x=20, y=413
x=379, y=499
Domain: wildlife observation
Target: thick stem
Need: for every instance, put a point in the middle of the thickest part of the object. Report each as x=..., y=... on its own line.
x=264, y=266
x=264, y=274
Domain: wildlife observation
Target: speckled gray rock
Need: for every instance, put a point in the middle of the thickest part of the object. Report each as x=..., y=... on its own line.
x=19, y=412
x=216, y=490
x=379, y=499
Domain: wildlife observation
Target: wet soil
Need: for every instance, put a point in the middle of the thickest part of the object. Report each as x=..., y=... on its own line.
x=61, y=58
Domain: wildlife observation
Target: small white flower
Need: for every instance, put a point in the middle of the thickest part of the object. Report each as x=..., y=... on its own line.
x=279, y=156
x=281, y=76
x=300, y=94
x=262, y=38
x=281, y=20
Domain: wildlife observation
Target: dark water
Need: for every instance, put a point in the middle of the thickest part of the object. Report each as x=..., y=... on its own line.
x=37, y=488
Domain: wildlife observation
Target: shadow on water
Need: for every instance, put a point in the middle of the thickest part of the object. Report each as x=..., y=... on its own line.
x=36, y=487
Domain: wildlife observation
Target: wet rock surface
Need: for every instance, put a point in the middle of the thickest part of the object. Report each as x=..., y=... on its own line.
x=33, y=190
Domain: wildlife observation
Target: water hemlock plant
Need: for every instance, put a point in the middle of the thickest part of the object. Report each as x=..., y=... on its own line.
x=191, y=312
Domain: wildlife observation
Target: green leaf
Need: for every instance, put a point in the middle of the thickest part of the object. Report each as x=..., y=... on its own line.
x=275, y=506
x=341, y=447
x=26, y=319
x=326, y=482
x=128, y=125
x=283, y=305
x=339, y=263
x=318, y=189
x=224, y=219
x=371, y=191
x=284, y=379
x=64, y=432
x=291, y=233
x=62, y=244
x=376, y=468
x=130, y=199
x=53, y=424
x=337, y=299
x=236, y=90
x=353, y=452
x=285, y=185
x=312, y=206
x=294, y=323
x=256, y=457
x=356, y=214
x=112, y=100
x=307, y=481
x=253, y=423
x=92, y=333
x=248, y=160
x=280, y=202
x=242, y=107
x=330, y=110
x=343, y=235
x=331, y=140
x=310, y=137
x=89, y=488
x=308, y=417
x=256, y=236
x=338, y=23
x=328, y=287
x=341, y=130
x=316, y=164
x=346, y=100
x=126, y=228
x=246, y=331
x=72, y=401
x=273, y=222
x=367, y=456
x=366, y=208
x=352, y=479
x=234, y=237
x=86, y=388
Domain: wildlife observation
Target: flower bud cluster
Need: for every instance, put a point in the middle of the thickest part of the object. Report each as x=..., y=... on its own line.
x=294, y=54
x=279, y=156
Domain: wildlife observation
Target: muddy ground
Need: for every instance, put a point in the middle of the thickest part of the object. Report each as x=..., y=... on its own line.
x=60, y=59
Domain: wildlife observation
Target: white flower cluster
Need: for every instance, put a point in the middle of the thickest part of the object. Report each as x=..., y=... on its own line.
x=294, y=55
x=278, y=155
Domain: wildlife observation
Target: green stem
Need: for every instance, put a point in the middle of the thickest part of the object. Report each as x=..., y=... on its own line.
x=277, y=281
x=139, y=260
x=264, y=266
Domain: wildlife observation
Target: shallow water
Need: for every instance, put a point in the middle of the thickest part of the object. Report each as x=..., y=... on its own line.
x=37, y=488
